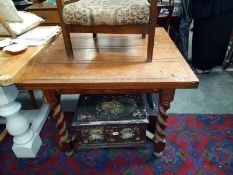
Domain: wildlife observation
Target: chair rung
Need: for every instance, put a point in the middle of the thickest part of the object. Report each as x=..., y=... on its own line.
x=121, y=29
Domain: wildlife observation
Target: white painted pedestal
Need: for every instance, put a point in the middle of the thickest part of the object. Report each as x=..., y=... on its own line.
x=26, y=139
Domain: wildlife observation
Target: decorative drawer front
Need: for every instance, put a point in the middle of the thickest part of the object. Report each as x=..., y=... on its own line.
x=50, y=17
x=111, y=135
x=110, y=121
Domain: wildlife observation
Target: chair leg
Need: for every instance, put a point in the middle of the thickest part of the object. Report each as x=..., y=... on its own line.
x=96, y=44
x=65, y=31
x=151, y=30
x=67, y=41
x=31, y=93
x=150, y=45
x=3, y=135
x=94, y=35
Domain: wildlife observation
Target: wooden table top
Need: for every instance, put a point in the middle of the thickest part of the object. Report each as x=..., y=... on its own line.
x=110, y=62
x=12, y=66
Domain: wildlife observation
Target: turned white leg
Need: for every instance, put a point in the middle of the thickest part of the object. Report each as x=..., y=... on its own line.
x=26, y=140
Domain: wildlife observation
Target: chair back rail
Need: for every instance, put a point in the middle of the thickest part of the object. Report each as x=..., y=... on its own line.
x=119, y=29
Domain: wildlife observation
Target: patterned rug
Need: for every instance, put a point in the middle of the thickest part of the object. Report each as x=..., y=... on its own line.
x=196, y=144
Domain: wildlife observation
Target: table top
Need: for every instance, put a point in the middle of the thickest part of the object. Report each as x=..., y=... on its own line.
x=110, y=62
x=12, y=66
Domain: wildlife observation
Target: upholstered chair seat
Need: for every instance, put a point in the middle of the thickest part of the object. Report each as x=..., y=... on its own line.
x=107, y=12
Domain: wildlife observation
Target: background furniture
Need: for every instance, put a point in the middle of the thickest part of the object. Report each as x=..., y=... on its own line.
x=116, y=67
x=169, y=2
x=138, y=28
x=26, y=139
x=3, y=134
x=13, y=35
x=229, y=56
x=46, y=11
x=6, y=26
x=21, y=4
x=165, y=13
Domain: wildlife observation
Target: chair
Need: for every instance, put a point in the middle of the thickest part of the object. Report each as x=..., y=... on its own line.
x=108, y=16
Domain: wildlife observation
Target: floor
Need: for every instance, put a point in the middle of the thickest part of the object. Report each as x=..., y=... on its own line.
x=214, y=96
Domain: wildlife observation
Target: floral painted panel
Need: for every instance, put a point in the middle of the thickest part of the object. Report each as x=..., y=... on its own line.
x=107, y=12
x=110, y=107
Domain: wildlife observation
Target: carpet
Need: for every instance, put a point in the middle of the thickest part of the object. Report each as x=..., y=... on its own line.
x=196, y=144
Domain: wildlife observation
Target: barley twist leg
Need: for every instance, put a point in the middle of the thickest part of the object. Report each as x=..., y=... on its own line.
x=65, y=141
x=165, y=98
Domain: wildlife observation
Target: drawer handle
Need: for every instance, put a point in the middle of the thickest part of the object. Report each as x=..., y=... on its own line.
x=115, y=133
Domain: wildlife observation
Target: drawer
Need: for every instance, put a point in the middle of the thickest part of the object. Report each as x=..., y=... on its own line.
x=107, y=136
x=50, y=17
x=104, y=121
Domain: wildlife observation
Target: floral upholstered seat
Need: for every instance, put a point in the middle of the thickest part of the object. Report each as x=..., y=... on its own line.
x=107, y=12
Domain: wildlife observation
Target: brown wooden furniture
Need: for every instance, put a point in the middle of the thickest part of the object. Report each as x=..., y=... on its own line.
x=3, y=135
x=13, y=66
x=46, y=11
x=164, y=20
x=117, y=66
x=110, y=121
x=38, y=1
x=113, y=29
x=169, y=2
x=6, y=26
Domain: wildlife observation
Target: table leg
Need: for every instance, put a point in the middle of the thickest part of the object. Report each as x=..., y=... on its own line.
x=26, y=141
x=165, y=98
x=65, y=142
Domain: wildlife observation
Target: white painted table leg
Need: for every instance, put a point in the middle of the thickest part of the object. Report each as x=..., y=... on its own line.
x=26, y=140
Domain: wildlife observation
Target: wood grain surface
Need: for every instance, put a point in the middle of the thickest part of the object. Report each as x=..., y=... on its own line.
x=112, y=63
x=12, y=66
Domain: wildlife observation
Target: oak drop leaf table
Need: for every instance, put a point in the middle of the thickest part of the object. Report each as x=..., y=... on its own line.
x=110, y=64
